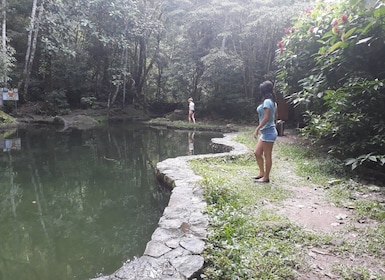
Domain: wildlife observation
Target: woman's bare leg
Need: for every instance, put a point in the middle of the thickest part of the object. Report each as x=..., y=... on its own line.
x=263, y=155
x=191, y=116
x=267, y=151
x=258, y=152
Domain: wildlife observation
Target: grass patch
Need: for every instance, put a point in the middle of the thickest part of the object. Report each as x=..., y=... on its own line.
x=6, y=120
x=311, y=163
x=204, y=126
x=361, y=273
x=248, y=240
x=362, y=198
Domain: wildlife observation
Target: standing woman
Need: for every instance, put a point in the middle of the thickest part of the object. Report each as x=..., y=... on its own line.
x=266, y=115
x=191, y=110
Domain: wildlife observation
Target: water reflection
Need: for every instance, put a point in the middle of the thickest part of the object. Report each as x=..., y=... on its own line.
x=190, y=142
x=78, y=203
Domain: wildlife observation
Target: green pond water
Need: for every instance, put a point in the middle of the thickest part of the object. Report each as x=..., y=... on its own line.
x=77, y=204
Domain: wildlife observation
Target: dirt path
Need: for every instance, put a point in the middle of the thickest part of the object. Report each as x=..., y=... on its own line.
x=310, y=208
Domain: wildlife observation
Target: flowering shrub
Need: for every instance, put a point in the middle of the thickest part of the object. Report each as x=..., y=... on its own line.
x=332, y=67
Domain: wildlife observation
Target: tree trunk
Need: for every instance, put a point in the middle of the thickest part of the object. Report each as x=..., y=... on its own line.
x=32, y=41
x=140, y=69
x=125, y=58
x=4, y=27
x=29, y=48
x=4, y=40
x=224, y=35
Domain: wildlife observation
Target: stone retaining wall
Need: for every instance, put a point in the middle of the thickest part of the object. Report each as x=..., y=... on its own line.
x=176, y=246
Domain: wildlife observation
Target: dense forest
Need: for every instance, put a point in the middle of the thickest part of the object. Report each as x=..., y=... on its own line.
x=142, y=52
x=326, y=58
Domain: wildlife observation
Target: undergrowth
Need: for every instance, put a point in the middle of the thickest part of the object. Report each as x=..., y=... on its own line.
x=248, y=240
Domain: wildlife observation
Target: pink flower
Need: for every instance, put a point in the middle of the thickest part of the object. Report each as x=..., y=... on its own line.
x=335, y=22
x=311, y=29
x=344, y=18
x=287, y=31
x=281, y=46
x=308, y=11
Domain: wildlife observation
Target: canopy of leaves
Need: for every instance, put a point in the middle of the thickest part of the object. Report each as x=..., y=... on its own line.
x=330, y=66
x=143, y=52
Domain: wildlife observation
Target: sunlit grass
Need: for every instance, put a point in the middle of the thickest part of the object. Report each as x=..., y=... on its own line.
x=6, y=120
x=248, y=239
x=194, y=126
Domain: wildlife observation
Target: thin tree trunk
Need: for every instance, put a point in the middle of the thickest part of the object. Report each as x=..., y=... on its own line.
x=4, y=39
x=141, y=66
x=125, y=57
x=4, y=30
x=224, y=35
x=32, y=42
x=36, y=32
x=112, y=98
x=29, y=47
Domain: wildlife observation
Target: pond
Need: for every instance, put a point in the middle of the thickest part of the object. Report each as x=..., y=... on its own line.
x=78, y=203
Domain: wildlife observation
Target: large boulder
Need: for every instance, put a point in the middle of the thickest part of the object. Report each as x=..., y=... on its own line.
x=79, y=121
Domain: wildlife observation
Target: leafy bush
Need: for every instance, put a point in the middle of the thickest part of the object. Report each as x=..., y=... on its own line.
x=59, y=103
x=329, y=65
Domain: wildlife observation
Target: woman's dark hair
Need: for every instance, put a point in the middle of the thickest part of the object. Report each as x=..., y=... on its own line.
x=267, y=91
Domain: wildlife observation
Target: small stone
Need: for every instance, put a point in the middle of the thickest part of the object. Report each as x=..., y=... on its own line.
x=334, y=182
x=341, y=216
x=337, y=242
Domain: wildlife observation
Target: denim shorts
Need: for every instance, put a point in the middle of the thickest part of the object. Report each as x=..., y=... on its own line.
x=269, y=134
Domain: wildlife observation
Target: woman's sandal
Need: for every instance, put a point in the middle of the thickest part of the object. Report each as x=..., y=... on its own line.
x=261, y=181
x=258, y=177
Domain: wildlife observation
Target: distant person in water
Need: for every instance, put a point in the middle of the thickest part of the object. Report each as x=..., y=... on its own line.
x=191, y=110
x=266, y=116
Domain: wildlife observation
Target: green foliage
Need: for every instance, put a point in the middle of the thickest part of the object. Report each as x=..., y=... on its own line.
x=5, y=119
x=144, y=51
x=7, y=63
x=87, y=101
x=59, y=103
x=222, y=73
x=218, y=49
x=231, y=107
x=313, y=164
x=329, y=66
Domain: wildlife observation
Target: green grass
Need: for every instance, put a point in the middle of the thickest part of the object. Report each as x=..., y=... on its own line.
x=248, y=240
x=194, y=126
x=6, y=120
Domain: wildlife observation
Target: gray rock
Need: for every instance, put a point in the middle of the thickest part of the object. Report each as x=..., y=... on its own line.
x=188, y=265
